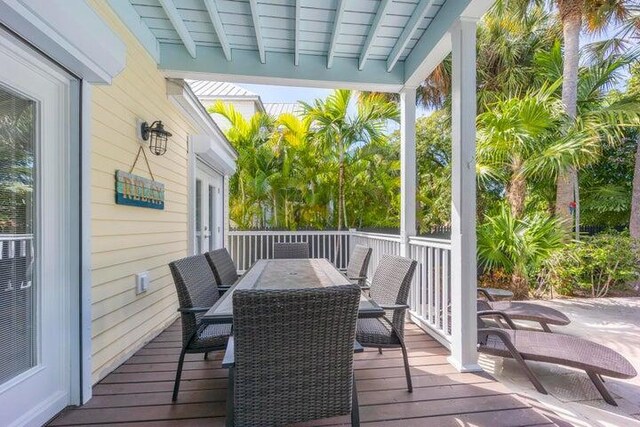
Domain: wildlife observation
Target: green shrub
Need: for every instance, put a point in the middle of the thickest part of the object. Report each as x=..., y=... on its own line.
x=593, y=266
x=518, y=246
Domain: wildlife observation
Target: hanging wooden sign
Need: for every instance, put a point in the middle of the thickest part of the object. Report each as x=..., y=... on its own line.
x=134, y=190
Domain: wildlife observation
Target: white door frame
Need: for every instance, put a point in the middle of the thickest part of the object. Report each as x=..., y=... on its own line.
x=192, y=167
x=64, y=217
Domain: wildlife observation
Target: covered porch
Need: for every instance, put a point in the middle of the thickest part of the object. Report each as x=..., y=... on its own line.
x=380, y=46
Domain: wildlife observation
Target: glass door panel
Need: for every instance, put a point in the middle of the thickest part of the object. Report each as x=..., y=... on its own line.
x=18, y=332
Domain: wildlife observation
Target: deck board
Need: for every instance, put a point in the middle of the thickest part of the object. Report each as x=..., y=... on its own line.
x=138, y=393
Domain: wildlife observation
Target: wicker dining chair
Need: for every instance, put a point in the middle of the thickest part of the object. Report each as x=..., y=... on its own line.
x=291, y=356
x=223, y=267
x=390, y=289
x=197, y=292
x=291, y=250
x=356, y=270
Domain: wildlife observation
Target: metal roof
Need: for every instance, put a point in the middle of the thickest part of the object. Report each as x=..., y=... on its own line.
x=276, y=108
x=354, y=42
x=219, y=90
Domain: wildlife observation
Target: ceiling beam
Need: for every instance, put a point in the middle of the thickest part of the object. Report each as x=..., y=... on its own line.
x=373, y=32
x=178, y=24
x=296, y=54
x=212, y=8
x=336, y=32
x=256, y=26
x=408, y=32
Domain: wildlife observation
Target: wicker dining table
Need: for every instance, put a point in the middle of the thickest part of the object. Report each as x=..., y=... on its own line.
x=287, y=274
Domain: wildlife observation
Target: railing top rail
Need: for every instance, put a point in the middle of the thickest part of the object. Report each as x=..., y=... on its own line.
x=430, y=242
x=287, y=233
x=6, y=237
x=378, y=236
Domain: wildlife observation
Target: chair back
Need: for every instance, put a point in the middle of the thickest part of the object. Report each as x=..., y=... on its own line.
x=291, y=250
x=359, y=261
x=196, y=287
x=390, y=285
x=293, y=354
x=224, y=270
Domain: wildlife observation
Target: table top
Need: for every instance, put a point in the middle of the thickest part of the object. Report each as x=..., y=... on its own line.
x=287, y=274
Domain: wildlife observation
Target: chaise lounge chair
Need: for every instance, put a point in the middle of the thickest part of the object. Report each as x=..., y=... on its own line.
x=545, y=316
x=522, y=345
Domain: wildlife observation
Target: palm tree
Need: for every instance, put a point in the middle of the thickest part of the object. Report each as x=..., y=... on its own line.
x=634, y=221
x=252, y=187
x=518, y=142
x=597, y=15
x=333, y=126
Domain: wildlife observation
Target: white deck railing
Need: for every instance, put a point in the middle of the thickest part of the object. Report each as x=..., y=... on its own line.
x=246, y=247
x=430, y=294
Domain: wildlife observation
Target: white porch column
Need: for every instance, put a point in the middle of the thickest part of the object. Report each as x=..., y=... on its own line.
x=408, y=176
x=463, y=199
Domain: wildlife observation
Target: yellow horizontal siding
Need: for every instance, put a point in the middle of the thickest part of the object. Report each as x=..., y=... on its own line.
x=128, y=240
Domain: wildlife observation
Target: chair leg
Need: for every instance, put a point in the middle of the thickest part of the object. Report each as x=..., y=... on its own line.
x=355, y=408
x=407, y=370
x=379, y=350
x=595, y=378
x=532, y=377
x=206, y=356
x=230, y=406
x=176, y=385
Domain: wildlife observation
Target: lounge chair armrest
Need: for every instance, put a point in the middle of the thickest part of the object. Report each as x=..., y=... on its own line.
x=485, y=293
x=223, y=289
x=357, y=347
x=394, y=307
x=357, y=278
x=501, y=314
x=194, y=310
x=229, y=359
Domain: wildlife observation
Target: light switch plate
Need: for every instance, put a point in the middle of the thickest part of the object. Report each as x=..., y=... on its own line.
x=142, y=282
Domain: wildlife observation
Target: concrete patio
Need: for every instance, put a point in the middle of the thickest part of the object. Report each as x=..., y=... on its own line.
x=613, y=322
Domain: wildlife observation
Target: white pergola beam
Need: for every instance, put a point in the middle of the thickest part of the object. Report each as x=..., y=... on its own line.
x=212, y=9
x=296, y=52
x=336, y=32
x=179, y=25
x=408, y=172
x=256, y=26
x=408, y=32
x=464, y=355
x=373, y=32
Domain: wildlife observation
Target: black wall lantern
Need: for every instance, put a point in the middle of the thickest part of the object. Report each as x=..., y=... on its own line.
x=156, y=135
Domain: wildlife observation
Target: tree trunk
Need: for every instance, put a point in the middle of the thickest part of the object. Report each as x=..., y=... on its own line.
x=571, y=15
x=519, y=286
x=516, y=190
x=340, y=187
x=634, y=221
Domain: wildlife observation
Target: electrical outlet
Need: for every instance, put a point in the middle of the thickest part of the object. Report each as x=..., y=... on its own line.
x=142, y=282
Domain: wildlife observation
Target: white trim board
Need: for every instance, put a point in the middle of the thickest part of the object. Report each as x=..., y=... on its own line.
x=70, y=32
x=211, y=144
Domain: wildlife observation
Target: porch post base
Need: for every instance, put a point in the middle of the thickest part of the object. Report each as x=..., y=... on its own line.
x=471, y=366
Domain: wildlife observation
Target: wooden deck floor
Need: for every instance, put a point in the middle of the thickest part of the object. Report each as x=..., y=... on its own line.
x=139, y=391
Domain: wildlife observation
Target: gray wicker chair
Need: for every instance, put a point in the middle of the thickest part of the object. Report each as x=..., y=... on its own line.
x=286, y=366
x=197, y=292
x=521, y=345
x=390, y=289
x=291, y=250
x=358, y=265
x=224, y=270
